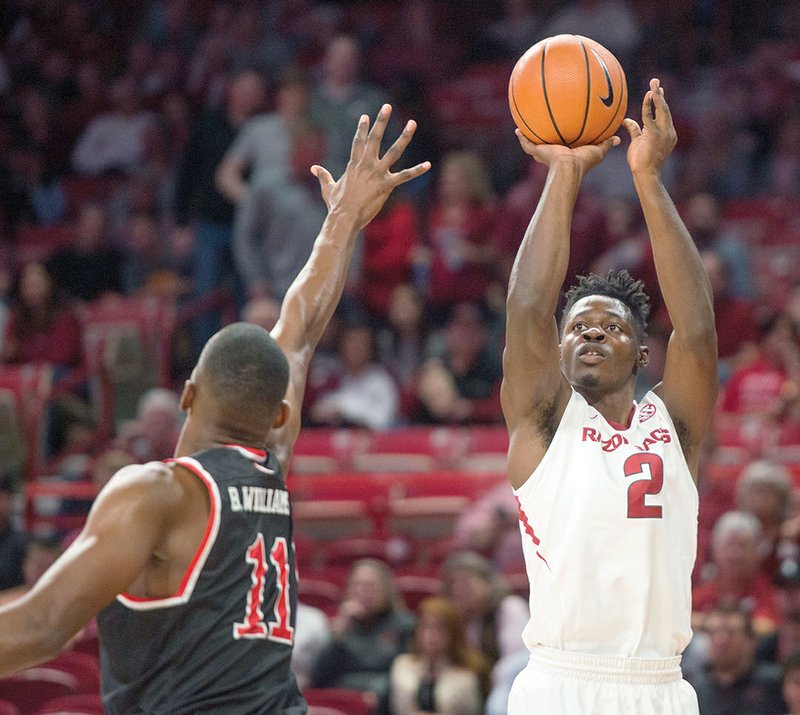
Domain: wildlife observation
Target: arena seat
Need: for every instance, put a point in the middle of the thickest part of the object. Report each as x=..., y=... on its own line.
x=8, y=708
x=37, y=243
x=352, y=702
x=79, y=704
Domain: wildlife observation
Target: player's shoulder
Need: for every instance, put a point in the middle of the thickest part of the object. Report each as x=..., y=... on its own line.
x=151, y=480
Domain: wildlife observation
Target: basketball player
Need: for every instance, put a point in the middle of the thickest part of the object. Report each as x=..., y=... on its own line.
x=189, y=564
x=606, y=487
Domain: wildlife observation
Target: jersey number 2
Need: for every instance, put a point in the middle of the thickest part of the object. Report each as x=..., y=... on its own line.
x=253, y=625
x=648, y=472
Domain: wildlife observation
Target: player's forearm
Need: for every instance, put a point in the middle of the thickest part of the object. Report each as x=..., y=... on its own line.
x=541, y=263
x=26, y=638
x=314, y=295
x=681, y=276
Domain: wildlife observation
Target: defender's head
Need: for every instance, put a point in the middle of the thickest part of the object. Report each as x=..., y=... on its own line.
x=603, y=330
x=239, y=382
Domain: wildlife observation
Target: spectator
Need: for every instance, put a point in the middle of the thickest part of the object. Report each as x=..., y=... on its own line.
x=262, y=311
x=493, y=618
x=91, y=267
x=277, y=223
x=148, y=267
x=737, y=579
x=42, y=327
x=41, y=190
x=261, y=152
x=462, y=382
x=733, y=682
x=312, y=633
x=365, y=394
x=463, y=262
x=153, y=434
x=370, y=629
x=442, y=673
x=12, y=541
x=198, y=202
x=115, y=139
x=774, y=647
x=340, y=98
x=791, y=682
x=763, y=490
x=40, y=554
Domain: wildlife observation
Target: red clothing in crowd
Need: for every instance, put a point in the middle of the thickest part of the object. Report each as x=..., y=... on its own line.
x=59, y=344
x=759, y=597
x=755, y=388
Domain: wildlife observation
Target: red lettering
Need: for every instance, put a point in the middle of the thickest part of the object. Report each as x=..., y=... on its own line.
x=590, y=434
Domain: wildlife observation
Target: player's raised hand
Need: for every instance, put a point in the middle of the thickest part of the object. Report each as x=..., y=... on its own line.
x=654, y=141
x=586, y=157
x=368, y=180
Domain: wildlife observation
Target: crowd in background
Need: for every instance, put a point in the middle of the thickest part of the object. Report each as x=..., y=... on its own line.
x=162, y=148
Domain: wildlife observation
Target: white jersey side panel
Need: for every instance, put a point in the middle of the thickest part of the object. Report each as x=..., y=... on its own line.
x=609, y=532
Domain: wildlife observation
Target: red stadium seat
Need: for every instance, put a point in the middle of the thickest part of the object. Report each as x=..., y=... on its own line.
x=321, y=451
x=31, y=688
x=36, y=243
x=8, y=708
x=352, y=702
x=415, y=589
x=320, y=593
x=81, y=704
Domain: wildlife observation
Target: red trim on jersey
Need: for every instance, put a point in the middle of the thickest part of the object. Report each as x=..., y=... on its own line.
x=620, y=427
x=523, y=517
x=260, y=453
x=200, y=549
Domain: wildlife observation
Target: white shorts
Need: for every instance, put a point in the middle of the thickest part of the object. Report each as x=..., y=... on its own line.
x=557, y=682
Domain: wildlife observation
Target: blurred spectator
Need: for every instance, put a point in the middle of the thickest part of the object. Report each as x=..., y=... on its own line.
x=279, y=220
x=782, y=171
x=340, y=98
x=733, y=682
x=515, y=31
x=90, y=101
x=148, y=266
x=262, y=311
x=42, y=327
x=389, y=242
x=462, y=382
x=774, y=647
x=204, y=217
x=152, y=435
x=91, y=267
x=114, y=139
x=790, y=667
x=442, y=673
x=312, y=633
x=12, y=541
x=490, y=526
x=459, y=228
x=703, y=219
x=261, y=152
x=41, y=191
x=364, y=394
x=737, y=579
x=763, y=490
x=369, y=630
x=493, y=618
x=40, y=554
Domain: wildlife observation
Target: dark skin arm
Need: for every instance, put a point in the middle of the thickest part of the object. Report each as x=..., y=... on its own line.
x=534, y=389
x=690, y=384
x=353, y=201
x=126, y=530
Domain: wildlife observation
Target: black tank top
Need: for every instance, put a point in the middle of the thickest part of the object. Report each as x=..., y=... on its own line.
x=223, y=642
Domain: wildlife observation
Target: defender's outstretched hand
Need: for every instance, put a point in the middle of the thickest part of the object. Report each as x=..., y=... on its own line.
x=654, y=141
x=587, y=156
x=367, y=181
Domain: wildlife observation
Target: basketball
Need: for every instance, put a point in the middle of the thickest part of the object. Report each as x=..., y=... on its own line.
x=568, y=90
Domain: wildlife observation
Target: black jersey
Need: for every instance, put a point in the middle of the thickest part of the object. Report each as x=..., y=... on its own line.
x=223, y=642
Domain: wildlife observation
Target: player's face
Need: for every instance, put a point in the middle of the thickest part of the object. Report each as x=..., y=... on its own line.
x=600, y=350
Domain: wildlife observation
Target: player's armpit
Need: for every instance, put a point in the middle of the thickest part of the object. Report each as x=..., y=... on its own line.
x=127, y=522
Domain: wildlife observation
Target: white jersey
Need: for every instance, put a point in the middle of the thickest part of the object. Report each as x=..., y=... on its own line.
x=609, y=532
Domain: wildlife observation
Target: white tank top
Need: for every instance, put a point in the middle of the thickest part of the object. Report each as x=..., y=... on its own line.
x=609, y=532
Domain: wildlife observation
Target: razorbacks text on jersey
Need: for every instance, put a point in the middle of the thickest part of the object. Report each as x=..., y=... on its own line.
x=223, y=642
x=609, y=532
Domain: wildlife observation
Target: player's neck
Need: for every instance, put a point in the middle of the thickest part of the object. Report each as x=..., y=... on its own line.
x=615, y=407
x=196, y=438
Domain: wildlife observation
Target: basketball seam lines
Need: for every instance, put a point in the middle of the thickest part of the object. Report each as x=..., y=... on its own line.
x=588, y=91
x=547, y=101
x=519, y=113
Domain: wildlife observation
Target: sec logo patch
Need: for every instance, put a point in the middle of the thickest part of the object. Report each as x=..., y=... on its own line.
x=647, y=412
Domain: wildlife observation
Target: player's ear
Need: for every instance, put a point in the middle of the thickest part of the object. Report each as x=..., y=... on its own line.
x=281, y=415
x=644, y=356
x=187, y=396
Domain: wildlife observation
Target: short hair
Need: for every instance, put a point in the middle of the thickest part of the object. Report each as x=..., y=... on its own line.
x=245, y=369
x=736, y=522
x=769, y=473
x=735, y=609
x=619, y=285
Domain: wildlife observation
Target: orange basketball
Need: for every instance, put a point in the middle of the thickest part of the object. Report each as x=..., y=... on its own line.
x=569, y=90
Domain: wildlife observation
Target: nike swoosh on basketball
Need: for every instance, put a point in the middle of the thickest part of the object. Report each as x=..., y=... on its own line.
x=608, y=100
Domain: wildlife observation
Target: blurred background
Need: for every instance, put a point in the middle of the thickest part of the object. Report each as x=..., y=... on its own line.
x=154, y=186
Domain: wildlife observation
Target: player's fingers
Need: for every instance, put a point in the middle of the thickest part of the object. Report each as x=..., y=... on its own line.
x=412, y=173
x=633, y=128
x=663, y=115
x=394, y=152
x=325, y=179
x=608, y=143
x=360, y=138
x=527, y=145
x=378, y=128
x=647, y=109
